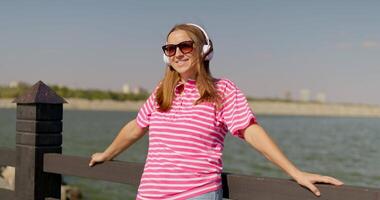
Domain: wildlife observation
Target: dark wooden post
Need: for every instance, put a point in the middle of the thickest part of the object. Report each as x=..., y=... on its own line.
x=39, y=127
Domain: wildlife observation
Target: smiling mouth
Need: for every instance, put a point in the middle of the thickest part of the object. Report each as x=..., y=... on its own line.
x=181, y=61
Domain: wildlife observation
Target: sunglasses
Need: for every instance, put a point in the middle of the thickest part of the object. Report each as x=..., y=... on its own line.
x=185, y=47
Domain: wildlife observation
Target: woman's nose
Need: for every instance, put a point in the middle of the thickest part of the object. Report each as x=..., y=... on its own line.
x=178, y=52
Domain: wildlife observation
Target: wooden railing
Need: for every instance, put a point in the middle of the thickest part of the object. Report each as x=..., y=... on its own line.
x=40, y=164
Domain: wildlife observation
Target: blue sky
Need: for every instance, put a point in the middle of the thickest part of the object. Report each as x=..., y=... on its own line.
x=266, y=47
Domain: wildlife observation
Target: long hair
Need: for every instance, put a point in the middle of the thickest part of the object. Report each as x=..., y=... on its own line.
x=206, y=84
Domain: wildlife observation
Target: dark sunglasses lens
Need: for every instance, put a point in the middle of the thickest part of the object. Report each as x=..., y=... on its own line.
x=169, y=50
x=186, y=47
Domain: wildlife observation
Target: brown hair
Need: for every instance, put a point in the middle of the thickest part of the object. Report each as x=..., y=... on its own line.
x=204, y=81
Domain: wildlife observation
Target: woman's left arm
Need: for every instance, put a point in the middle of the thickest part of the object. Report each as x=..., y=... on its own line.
x=256, y=136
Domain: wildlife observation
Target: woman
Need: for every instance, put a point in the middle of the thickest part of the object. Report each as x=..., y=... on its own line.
x=188, y=115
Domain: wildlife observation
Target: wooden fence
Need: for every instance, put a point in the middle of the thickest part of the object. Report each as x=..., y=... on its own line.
x=40, y=165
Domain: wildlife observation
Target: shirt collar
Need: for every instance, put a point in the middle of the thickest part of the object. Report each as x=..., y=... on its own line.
x=190, y=83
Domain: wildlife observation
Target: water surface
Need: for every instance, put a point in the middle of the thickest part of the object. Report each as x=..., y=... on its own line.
x=344, y=147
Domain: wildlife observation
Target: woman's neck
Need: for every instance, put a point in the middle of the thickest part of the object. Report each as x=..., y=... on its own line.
x=186, y=78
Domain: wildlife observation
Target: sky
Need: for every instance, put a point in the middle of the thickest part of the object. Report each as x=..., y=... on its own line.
x=268, y=47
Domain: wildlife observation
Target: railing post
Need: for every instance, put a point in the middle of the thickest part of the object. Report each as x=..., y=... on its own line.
x=39, y=127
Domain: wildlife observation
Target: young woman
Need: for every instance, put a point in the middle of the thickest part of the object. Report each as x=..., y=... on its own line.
x=188, y=115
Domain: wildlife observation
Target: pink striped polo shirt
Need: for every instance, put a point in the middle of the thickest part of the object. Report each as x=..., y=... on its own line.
x=186, y=142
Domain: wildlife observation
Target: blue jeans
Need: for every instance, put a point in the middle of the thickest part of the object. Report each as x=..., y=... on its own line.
x=214, y=195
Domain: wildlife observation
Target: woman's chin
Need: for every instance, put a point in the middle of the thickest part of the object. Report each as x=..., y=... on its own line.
x=181, y=69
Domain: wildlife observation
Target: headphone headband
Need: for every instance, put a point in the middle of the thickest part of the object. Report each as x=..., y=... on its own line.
x=203, y=31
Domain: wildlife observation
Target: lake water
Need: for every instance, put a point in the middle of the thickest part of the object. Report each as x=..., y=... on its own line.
x=347, y=148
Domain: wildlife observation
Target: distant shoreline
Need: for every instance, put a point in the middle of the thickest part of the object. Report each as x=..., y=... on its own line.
x=259, y=107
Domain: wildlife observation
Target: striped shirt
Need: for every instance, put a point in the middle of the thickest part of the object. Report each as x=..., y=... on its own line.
x=186, y=142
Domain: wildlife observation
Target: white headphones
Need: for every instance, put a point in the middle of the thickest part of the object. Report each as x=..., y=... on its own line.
x=205, y=49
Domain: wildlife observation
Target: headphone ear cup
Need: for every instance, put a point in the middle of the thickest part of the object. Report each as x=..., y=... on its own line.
x=209, y=56
x=166, y=59
x=205, y=50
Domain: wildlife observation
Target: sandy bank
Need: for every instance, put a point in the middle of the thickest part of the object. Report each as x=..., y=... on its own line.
x=315, y=109
x=259, y=107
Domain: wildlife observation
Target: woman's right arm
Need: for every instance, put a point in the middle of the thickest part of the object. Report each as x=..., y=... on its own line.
x=127, y=136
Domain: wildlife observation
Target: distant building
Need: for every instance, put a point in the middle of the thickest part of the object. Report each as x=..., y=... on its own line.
x=126, y=89
x=288, y=95
x=305, y=95
x=15, y=84
x=320, y=97
x=139, y=90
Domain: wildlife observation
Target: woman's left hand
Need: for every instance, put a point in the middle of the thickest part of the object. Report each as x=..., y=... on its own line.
x=308, y=179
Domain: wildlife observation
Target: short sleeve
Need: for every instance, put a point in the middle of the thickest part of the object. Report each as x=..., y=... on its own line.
x=236, y=113
x=146, y=110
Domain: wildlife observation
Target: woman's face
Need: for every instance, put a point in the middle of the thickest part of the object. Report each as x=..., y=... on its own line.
x=184, y=64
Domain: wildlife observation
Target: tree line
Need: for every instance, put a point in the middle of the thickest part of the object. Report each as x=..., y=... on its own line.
x=66, y=92
x=96, y=94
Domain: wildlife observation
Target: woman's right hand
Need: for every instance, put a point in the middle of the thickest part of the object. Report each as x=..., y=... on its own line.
x=127, y=136
x=97, y=158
